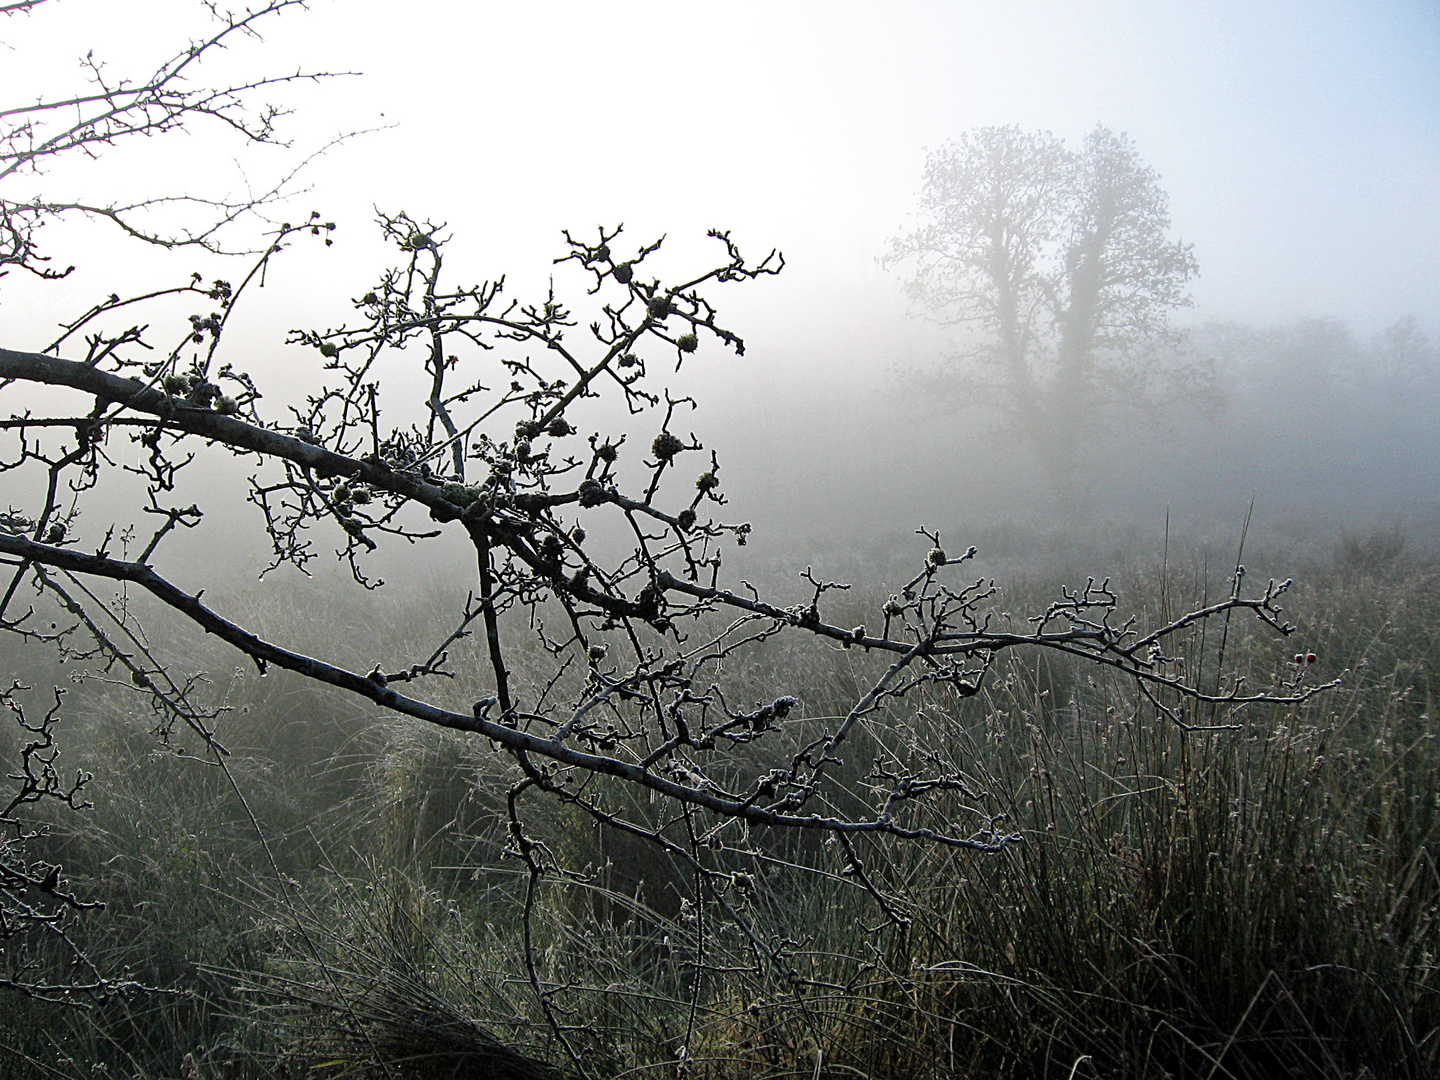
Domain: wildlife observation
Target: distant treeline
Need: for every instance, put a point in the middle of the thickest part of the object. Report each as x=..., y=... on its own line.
x=1308, y=415
x=1312, y=419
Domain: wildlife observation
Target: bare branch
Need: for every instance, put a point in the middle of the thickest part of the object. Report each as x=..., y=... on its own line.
x=117, y=110
x=595, y=563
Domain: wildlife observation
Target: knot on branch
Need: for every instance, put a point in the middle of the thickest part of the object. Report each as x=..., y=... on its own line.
x=593, y=493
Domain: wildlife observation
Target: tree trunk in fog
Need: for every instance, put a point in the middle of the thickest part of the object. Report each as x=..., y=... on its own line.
x=1061, y=258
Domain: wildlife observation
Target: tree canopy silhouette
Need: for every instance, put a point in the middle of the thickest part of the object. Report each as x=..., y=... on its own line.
x=1059, y=265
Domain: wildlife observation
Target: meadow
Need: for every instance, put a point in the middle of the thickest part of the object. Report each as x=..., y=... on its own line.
x=1198, y=892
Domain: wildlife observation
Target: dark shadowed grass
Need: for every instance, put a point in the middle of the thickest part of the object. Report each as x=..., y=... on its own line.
x=1255, y=899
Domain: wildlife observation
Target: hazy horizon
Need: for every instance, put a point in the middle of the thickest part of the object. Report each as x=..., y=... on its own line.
x=1299, y=145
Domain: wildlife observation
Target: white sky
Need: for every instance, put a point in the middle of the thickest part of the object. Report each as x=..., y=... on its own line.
x=1299, y=141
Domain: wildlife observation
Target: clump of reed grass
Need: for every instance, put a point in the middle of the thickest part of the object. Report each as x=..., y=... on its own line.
x=1253, y=896
x=1259, y=899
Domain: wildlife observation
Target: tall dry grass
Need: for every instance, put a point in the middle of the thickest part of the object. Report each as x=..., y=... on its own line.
x=1253, y=900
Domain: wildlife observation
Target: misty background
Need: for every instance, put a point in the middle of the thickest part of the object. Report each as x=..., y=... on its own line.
x=1299, y=145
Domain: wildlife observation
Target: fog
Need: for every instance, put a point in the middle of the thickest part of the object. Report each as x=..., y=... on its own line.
x=1101, y=325
x=1298, y=143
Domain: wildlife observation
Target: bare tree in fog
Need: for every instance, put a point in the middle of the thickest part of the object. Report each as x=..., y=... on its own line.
x=640, y=641
x=1058, y=264
x=1407, y=360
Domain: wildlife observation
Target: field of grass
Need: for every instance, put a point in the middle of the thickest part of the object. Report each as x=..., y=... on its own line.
x=1254, y=895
